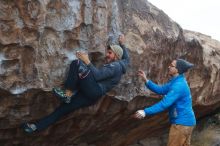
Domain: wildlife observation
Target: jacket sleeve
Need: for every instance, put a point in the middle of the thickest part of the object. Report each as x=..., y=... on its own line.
x=159, y=89
x=125, y=53
x=104, y=72
x=165, y=103
x=125, y=60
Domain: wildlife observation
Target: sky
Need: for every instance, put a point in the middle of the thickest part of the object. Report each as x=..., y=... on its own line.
x=197, y=15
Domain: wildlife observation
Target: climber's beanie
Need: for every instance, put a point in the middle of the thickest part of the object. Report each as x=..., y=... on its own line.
x=117, y=50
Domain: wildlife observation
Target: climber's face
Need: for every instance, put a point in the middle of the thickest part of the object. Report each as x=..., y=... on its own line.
x=110, y=56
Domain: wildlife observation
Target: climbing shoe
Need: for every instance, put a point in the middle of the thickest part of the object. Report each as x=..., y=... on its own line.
x=62, y=95
x=29, y=128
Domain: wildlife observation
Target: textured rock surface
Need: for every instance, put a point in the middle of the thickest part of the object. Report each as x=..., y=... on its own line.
x=38, y=40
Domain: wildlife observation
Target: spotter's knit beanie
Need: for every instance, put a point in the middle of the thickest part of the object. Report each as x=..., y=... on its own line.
x=183, y=65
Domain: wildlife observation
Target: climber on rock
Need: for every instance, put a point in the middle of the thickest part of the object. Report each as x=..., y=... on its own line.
x=86, y=84
x=177, y=99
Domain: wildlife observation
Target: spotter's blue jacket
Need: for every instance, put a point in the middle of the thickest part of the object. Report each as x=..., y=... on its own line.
x=177, y=99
